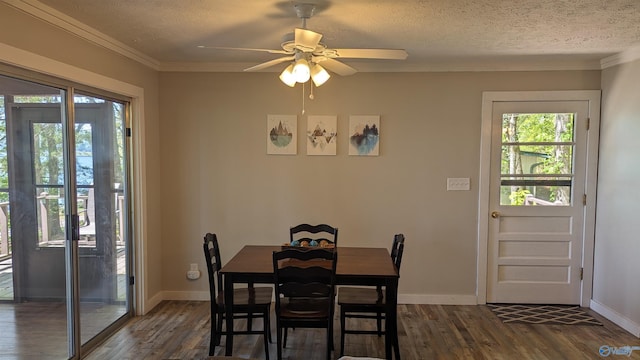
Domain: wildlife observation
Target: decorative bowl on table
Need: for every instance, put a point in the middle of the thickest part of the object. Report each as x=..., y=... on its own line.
x=308, y=244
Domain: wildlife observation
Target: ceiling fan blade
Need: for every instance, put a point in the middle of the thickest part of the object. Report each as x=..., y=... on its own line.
x=390, y=54
x=338, y=67
x=306, y=40
x=269, y=63
x=270, y=51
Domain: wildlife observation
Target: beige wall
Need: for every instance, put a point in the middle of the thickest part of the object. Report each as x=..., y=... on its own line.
x=217, y=177
x=616, y=287
x=24, y=32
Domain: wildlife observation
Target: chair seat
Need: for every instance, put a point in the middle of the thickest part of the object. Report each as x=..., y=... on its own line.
x=312, y=308
x=248, y=296
x=360, y=297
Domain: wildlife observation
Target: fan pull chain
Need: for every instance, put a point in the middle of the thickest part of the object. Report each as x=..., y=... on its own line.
x=302, y=98
x=311, y=86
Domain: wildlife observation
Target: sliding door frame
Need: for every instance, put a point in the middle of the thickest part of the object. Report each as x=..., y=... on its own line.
x=18, y=63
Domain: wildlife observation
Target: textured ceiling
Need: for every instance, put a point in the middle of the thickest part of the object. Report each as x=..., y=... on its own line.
x=435, y=33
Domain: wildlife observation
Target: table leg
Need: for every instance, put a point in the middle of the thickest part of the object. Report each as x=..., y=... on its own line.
x=228, y=306
x=391, y=323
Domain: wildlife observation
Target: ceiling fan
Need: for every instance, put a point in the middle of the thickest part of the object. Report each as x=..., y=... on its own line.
x=305, y=52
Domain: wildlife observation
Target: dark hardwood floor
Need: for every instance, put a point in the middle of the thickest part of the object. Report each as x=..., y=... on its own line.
x=37, y=330
x=180, y=330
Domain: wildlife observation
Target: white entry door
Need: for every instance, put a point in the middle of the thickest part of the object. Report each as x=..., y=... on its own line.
x=537, y=201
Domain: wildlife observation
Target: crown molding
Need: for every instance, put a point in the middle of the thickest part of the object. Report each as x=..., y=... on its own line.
x=62, y=21
x=629, y=55
x=207, y=67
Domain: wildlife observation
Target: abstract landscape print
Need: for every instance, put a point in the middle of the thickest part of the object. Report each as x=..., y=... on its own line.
x=282, y=131
x=364, y=135
x=321, y=134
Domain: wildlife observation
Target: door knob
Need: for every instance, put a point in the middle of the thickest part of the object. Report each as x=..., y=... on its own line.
x=495, y=214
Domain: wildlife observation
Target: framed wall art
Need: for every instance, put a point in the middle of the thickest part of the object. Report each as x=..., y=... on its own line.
x=322, y=132
x=364, y=135
x=282, y=134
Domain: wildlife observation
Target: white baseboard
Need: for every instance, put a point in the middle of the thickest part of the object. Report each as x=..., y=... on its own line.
x=151, y=303
x=617, y=318
x=437, y=299
x=402, y=298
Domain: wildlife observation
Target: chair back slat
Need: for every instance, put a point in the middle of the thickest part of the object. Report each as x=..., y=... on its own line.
x=212, y=257
x=397, y=248
x=314, y=232
x=304, y=273
x=308, y=290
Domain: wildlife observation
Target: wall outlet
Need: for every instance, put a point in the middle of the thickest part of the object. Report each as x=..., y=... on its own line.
x=455, y=184
x=193, y=273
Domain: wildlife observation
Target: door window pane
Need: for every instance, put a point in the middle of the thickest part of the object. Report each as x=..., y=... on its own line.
x=537, y=159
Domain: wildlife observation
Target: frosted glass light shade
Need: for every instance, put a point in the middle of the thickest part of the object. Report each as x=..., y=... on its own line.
x=301, y=71
x=287, y=76
x=319, y=75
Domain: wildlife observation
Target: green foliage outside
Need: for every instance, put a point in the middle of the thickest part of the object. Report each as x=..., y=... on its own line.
x=517, y=197
x=547, y=136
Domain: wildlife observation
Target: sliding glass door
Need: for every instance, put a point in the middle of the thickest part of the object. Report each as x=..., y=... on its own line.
x=100, y=178
x=63, y=214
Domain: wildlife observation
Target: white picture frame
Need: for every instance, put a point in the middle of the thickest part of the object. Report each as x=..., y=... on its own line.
x=282, y=134
x=364, y=135
x=322, y=133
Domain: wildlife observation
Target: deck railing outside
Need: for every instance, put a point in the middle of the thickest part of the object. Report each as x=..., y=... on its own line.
x=87, y=221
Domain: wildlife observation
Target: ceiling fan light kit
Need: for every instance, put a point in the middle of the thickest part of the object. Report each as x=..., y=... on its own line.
x=287, y=76
x=319, y=75
x=301, y=70
x=305, y=52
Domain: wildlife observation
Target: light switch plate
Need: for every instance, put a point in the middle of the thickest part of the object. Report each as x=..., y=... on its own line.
x=454, y=184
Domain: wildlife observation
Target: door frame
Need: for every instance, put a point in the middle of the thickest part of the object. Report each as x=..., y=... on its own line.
x=591, y=176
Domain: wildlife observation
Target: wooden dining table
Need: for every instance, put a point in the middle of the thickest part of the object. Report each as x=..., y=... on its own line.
x=356, y=266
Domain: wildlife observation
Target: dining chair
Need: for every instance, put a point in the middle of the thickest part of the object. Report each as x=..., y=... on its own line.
x=306, y=232
x=321, y=234
x=305, y=291
x=367, y=302
x=247, y=302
